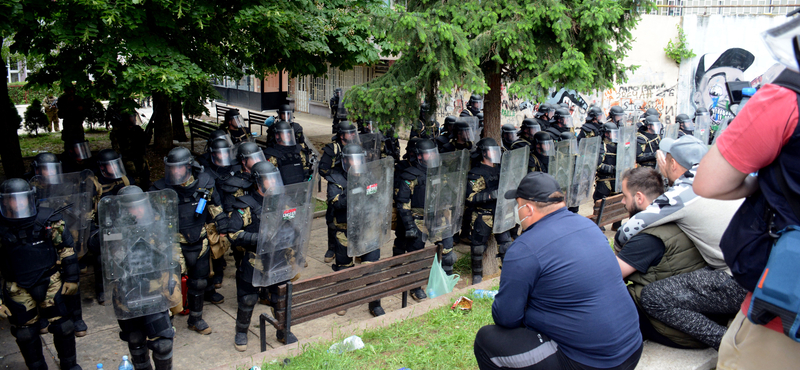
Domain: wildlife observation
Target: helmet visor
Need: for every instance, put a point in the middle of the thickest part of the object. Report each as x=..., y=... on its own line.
x=18, y=205
x=477, y=104
x=466, y=134
x=177, y=173
x=285, y=137
x=613, y=135
x=349, y=136
x=688, y=125
x=567, y=121
x=510, y=136
x=354, y=163
x=81, y=151
x=253, y=158
x=140, y=208
x=655, y=127
x=222, y=157
x=492, y=153
x=269, y=183
x=286, y=115
x=49, y=171
x=113, y=169
x=429, y=158
x=546, y=148
x=227, y=138
x=236, y=121
x=532, y=129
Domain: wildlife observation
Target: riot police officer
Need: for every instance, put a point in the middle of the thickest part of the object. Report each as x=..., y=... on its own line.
x=45, y=164
x=543, y=149
x=447, y=132
x=593, y=125
x=129, y=140
x=198, y=204
x=38, y=266
x=508, y=136
x=483, y=181
x=338, y=95
x=462, y=138
x=287, y=155
x=648, y=139
x=76, y=156
x=562, y=121
x=543, y=114
x=353, y=161
x=615, y=115
x=331, y=157
x=145, y=327
x=686, y=125
x=267, y=183
x=410, y=203
x=420, y=128
x=205, y=158
x=606, y=171
x=474, y=106
x=530, y=127
x=234, y=127
x=408, y=160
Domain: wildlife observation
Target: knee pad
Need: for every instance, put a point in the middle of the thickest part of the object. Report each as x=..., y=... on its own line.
x=249, y=300
x=61, y=327
x=158, y=325
x=196, y=284
x=161, y=347
x=477, y=251
x=24, y=334
x=448, y=259
x=134, y=338
x=447, y=243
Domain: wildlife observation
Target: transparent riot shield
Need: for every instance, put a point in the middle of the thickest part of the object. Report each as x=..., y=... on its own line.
x=513, y=167
x=562, y=166
x=585, y=168
x=372, y=144
x=703, y=128
x=72, y=194
x=341, y=111
x=474, y=123
x=369, y=207
x=140, y=252
x=626, y=153
x=671, y=130
x=445, y=193
x=283, y=234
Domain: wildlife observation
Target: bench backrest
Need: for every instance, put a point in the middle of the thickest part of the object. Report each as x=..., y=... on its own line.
x=221, y=109
x=200, y=130
x=323, y=295
x=257, y=119
x=609, y=212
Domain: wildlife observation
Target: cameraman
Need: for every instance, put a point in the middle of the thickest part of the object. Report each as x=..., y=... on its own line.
x=764, y=137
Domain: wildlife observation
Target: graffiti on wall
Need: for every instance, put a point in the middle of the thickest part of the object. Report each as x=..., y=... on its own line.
x=710, y=90
x=636, y=99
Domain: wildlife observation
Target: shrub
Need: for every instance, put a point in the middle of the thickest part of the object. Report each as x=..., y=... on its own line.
x=35, y=119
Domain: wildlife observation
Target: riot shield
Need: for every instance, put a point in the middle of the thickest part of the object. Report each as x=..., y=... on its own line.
x=562, y=166
x=369, y=207
x=445, y=193
x=73, y=193
x=513, y=167
x=341, y=111
x=626, y=153
x=671, y=131
x=703, y=128
x=283, y=234
x=474, y=123
x=372, y=144
x=140, y=252
x=585, y=168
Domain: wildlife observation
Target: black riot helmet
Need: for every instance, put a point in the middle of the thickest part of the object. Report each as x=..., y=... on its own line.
x=616, y=113
x=509, y=133
x=46, y=164
x=249, y=154
x=566, y=135
x=685, y=122
x=653, y=124
x=652, y=112
x=423, y=110
x=267, y=178
x=475, y=103
x=551, y=109
x=110, y=163
x=137, y=203
x=284, y=134
x=488, y=149
x=17, y=199
x=562, y=118
x=700, y=111
x=354, y=157
x=233, y=118
x=347, y=133
x=542, y=111
x=78, y=149
x=285, y=113
x=543, y=143
x=449, y=121
x=216, y=134
x=222, y=152
x=611, y=131
x=427, y=153
x=410, y=146
x=463, y=131
x=178, y=166
x=530, y=127
x=594, y=114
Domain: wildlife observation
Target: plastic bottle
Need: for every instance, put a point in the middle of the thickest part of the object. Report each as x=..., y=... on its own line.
x=99, y=366
x=481, y=293
x=125, y=364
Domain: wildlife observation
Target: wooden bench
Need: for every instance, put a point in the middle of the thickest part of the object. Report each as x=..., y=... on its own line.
x=221, y=109
x=609, y=210
x=323, y=295
x=257, y=119
x=199, y=129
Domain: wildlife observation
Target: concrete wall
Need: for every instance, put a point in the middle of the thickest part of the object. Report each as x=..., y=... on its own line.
x=728, y=48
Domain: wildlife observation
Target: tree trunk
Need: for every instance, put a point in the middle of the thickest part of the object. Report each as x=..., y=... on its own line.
x=9, y=140
x=491, y=128
x=162, y=123
x=178, y=132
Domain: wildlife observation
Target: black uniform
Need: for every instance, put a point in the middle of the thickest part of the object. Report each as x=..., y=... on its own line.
x=606, y=171
x=647, y=146
x=535, y=161
x=291, y=161
x=590, y=129
x=483, y=183
x=238, y=135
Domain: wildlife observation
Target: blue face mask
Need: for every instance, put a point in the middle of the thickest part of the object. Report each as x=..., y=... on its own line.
x=516, y=215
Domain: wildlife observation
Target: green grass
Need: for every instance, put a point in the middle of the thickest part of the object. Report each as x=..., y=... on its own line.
x=439, y=339
x=319, y=205
x=463, y=266
x=51, y=142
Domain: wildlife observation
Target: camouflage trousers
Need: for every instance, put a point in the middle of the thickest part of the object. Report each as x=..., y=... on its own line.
x=41, y=300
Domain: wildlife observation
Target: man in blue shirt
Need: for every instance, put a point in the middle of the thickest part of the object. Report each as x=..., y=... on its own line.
x=562, y=303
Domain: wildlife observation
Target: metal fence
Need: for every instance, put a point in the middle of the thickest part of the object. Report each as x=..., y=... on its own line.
x=725, y=7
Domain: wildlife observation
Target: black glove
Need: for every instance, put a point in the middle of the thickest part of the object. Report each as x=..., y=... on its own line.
x=247, y=239
x=412, y=232
x=607, y=168
x=222, y=222
x=647, y=157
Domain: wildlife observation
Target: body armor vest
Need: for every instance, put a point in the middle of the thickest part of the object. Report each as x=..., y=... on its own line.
x=290, y=163
x=28, y=253
x=337, y=177
x=418, y=196
x=491, y=177
x=191, y=224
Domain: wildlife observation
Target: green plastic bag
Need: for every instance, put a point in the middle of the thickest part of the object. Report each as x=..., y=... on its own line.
x=438, y=281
